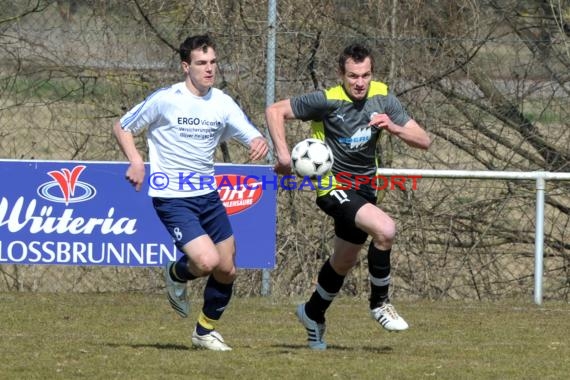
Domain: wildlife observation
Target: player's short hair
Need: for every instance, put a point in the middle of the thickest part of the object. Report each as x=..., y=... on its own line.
x=358, y=52
x=202, y=41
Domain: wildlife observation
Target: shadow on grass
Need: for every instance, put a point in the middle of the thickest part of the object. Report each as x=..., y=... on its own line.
x=336, y=347
x=158, y=346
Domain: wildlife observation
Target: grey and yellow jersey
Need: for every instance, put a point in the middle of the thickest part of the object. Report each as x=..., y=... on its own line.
x=343, y=124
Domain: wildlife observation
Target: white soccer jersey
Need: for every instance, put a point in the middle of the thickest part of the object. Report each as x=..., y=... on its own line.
x=183, y=131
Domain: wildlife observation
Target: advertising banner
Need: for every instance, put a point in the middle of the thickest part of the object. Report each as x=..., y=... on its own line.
x=87, y=213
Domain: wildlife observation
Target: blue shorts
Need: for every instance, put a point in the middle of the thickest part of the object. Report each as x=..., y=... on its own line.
x=191, y=217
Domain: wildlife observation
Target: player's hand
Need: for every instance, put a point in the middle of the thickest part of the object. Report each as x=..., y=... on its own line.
x=283, y=165
x=382, y=121
x=135, y=174
x=258, y=149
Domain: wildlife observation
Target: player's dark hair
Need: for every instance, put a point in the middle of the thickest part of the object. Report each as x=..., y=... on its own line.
x=203, y=41
x=358, y=53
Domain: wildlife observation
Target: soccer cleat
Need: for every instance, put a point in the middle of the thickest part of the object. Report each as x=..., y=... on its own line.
x=177, y=293
x=211, y=341
x=387, y=316
x=315, y=331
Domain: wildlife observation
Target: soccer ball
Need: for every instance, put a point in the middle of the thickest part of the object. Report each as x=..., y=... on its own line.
x=311, y=158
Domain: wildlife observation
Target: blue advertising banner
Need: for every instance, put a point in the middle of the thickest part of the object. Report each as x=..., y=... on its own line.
x=86, y=213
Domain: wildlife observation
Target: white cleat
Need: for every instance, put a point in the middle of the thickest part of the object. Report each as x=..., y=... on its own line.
x=387, y=316
x=315, y=331
x=211, y=341
x=177, y=293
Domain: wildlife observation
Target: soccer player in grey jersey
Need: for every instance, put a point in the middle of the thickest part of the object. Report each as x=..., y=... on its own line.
x=184, y=124
x=349, y=118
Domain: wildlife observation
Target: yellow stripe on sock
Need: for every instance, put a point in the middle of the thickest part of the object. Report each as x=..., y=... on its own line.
x=206, y=322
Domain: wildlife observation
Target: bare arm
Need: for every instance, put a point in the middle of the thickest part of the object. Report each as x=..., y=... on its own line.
x=136, y=172
x=411, y=132
x=275, y=117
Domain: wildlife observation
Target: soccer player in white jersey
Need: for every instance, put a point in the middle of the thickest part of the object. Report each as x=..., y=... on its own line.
x=349, y=117
x=184, y=124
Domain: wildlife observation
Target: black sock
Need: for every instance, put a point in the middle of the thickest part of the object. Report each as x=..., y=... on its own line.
x=379, y=271
x=328, y=285
x=216, y=297
x=180, y=271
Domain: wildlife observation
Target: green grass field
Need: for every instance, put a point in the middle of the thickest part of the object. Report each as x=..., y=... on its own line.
x=137, y=336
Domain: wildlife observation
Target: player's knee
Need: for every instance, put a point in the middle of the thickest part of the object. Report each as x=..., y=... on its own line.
x=205, y=264
x=385, y=233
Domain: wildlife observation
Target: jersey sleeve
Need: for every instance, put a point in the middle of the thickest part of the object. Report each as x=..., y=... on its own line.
x=310, y=106
x=395, y=110
x=238, y=125
x=138, y=118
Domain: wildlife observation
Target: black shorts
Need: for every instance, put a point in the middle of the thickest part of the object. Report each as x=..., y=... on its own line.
x=342, y=206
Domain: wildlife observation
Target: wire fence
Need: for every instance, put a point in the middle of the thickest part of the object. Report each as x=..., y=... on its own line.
x=491, y=96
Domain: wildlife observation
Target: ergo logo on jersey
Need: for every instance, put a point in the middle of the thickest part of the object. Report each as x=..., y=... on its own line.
x=68, y=183
x=238, y=192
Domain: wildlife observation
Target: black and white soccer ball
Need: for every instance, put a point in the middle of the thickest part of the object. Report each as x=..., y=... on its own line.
x=311, y=158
